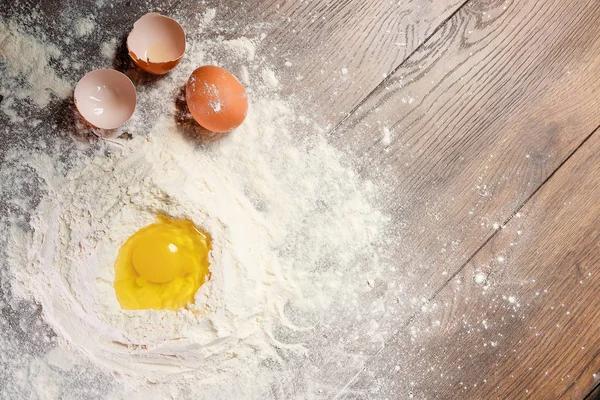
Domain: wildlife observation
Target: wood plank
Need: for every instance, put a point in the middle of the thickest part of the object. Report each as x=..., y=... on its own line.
x=337, y=51
x=595, y=394
x=478, y=119
x=426, y=119
x=521, y=320
x=319, y=39
x=449, y=203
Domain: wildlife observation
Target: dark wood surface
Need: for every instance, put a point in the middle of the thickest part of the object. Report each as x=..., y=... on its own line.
x=594, y=394
x=480, y=117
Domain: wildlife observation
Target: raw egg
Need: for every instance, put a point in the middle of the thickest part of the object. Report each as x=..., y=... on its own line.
x=216, y=99
x=105, y=98
x=162, y=266
x=156, y=43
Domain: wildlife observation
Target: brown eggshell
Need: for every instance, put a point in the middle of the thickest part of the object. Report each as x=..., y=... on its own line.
x=156, y=43
x=216, y=99
x=154, y=68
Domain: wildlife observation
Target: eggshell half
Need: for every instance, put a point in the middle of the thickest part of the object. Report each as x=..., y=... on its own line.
x=156, y=44
x=105, y=98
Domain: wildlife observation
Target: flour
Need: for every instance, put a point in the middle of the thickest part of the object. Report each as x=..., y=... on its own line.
x=480, y=278
x=84, y=26
x=215, y=105
x=294, y=238
x=242, y=47
x=109, y=49
x=208, y=16
x=24, y=64
x=269, y=78
x=78, y=231
x=386, y=136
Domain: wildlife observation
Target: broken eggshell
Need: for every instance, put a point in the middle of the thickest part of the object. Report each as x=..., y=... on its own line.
x=105, y=98
x=156, y=43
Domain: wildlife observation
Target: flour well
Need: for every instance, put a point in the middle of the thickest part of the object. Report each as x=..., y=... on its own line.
x=77, y=233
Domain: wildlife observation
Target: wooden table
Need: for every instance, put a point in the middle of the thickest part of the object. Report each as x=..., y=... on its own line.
x=483, y=118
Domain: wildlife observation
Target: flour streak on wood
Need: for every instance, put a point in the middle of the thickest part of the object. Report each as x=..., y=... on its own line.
x=337, y=53
x=527, y=328
x=110, y=21
x=52, y=20
x=479, y=118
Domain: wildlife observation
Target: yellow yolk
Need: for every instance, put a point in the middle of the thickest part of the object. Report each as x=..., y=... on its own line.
x=162, y=266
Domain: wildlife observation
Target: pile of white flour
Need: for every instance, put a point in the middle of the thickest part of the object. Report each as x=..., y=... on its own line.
x=292, y=228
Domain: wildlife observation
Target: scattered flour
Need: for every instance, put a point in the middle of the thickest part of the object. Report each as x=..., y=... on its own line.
x=480, y=278
x=209, y=16
x=109, y=49
x=244, y=75
x=24, y=62
x=216, y=106
x=269, y=78
x=386, y=137
x=294, y=235
x=84, y=26
x=242, y=47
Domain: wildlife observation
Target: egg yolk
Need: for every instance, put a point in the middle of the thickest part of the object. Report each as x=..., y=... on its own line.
x=162, y=266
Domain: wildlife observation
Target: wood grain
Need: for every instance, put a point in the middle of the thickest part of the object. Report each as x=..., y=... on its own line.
x=463, y=133
x=521, y=320
x=490, y=107
x=319, y=40
x=479, y=117
x=322, y=40
x=490, y=68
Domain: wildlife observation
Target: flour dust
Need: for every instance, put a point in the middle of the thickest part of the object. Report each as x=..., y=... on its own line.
x=294, y=233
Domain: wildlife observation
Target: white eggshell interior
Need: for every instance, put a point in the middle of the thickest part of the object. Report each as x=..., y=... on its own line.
x=105, y=98
x=156, y=38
